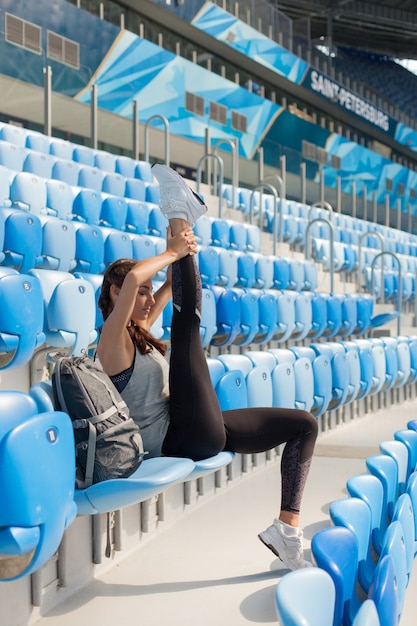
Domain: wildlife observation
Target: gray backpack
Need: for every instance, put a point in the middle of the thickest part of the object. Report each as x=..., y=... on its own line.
x=108, y=443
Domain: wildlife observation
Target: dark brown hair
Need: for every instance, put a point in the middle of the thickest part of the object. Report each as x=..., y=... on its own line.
x=115, y=275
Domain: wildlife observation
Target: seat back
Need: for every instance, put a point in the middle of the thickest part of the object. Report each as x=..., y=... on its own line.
x=89, y=249
x=29, y=190
x=367, y=615
x=394, y=546
x=399, y=452
x=37, y=488
x=369, y=489
x=21, y=318
x=385, y=468
x=59, y=198
x=113, y=212
x=383, y=592
x=305, y=596
x=231, y=391
x=22, y=243
x=58, y=245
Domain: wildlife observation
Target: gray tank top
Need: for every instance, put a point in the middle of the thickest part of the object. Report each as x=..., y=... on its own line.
x=147, y=396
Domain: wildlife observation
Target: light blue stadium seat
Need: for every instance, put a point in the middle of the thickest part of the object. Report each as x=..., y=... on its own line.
x=208, y=325
x=335, y=550
x=231, y=391
x=253, y=238
x=269, y=328
x=216, y=369
x=282, y=274
x=355, y=514
x=14, y=134
x=349, y=315
x=152, y=193
x=385, y=468
x=66, y=170
x=103, y=160
x=59, y=198
x=367, y=614
x=38, y=141
x=404, y=513
x=89, y=248
x=399, y=452
x=202, y=230
x=412, y=492
x=6, y=177
x=12, y=156
x=86, y=206
x=208, y=265
x=90, y=178
x=61, y=148
x=258, y=378
x=96, y=280
x=297, y=274
x=411, y=341
x=220, y=233
x=228, y=267
x=19, y=335
x=117, y=245
x=37, y=482
x=39, y=164
x=379, y=363
x=83, y=155
x=125, y=166
x=114, y=184
x=334, y=315
x=303, y=376
x=238, y=235
x=70, y=310
x=341, y=384
x=246, y=277
x=58, y=244
x=157, y=223
x=383, y=592
x=144, y=247
x=364, y=354
x=137, y=217
x=305, y=597
x=322, y=377
x=282, y=377
x=264, y=270
x=143, y=171
x=370, y=489
x=135, y=189
x=394, y=545
x=303, y=315
x=29, y=192
x=409, y=438
x=113, y=212
x=227, y=316
x=21, y=240
x=310, y=276
x=249, y=317
x=319, y=315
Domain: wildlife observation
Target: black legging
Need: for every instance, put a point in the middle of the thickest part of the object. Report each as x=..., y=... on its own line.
x=199, y=429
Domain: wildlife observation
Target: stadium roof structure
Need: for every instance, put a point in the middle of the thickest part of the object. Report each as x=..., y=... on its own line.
x=387, y=27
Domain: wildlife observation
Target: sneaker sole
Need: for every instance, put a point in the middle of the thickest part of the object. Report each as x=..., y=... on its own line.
x=271, y=547
x=194, y=202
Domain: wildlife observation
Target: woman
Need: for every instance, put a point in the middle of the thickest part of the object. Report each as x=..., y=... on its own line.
x=175, y=405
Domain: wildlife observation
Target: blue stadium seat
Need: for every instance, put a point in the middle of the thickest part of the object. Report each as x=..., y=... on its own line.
x=202, y=230
x=70, y=310
x=117, y=245
x=355, y=514
x=231, y=391
x=59, y=198
x=135, y=189
x=335, y=550
x=125, y=166
x=385, y=468
x=249, y=317
x=409, y=438
x=12, y=156
x=238, y=235
x=306, y=597
x=113, y=212
x=83, y=155
x=21, y=239
x=341, y=384
x=322, y=377
x=96, y=280
x=143, y=171
x=89, y=248
x=157, y=223
x=264, y=270
x=269, y=327
x=58, y=244
x=257, y=378
x=383, y=592
x=282, y=377
x=370, y=489
x=14, y=134
x=367, y=614
x=227, y=316
x=208, y=265
x=28, y=191
x=90, y=177
x=246, y=277
x=20, y=335
x=6, y=177
x=103, y=160
x=114, y=184
x=319, y=315
x=334, y=315
x=220, y=233
x=39, y=164
x=208, y=325
x=86, y=206
x=38, y=141
x=303, y=376
x=37, y=486
x=394, y=545
x=61, y=148
x=282, y=274
x=303, y=315
x=137, y=217
x=228, y=267
x=67, y=171
x=404, y=513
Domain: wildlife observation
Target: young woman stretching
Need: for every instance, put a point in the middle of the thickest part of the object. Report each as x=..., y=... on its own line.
x=175, y=405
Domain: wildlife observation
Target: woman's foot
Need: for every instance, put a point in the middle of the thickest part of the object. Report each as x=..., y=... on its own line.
x=288, y=548
x=177, y=200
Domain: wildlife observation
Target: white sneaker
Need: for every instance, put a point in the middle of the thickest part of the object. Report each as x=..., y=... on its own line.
x=176, y=198
x=288, y=549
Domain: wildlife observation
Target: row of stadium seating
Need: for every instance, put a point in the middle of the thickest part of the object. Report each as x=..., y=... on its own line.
x=365, y=558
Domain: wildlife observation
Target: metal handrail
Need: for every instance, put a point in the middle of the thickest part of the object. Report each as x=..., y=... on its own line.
x=331, y=239
x=235, y=176
x=399, y=290
x=361, y=238
x=322, y=204
x=274, y=228
x=219, y=160
x=166, y=125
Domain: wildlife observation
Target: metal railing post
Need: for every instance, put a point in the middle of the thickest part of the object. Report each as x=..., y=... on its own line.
x=219, y=161
x=166, y=144
x=272, y=189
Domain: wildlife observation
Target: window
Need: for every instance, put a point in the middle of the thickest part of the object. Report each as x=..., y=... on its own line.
x=308, y=150
x=194, y=103
x=63, y=50
x=22, y=33
x=388, y=184
x=218, y=113
x=322, y=156
x=336, y=162
x=239, y=121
